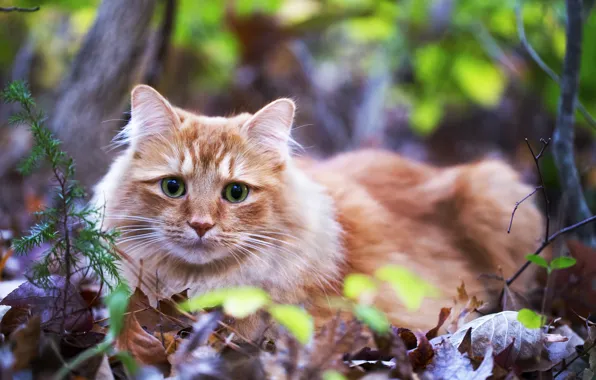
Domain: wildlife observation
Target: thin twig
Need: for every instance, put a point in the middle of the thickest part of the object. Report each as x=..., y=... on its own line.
x=545, y=244
x=18, y=9
x=536, y=158
x=521, y=31
x=519, y=203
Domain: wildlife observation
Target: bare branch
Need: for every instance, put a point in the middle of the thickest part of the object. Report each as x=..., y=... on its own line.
x=18, y=9
x=545, y=244
x=563, y=138
x=521, y=31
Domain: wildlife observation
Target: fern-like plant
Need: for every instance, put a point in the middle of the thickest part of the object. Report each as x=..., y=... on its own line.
x=76, y=242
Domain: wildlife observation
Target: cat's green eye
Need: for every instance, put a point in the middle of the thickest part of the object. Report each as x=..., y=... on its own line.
x=235, y=192
x=173, y=187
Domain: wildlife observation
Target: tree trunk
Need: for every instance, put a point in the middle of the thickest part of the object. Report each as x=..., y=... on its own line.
x=92, y=98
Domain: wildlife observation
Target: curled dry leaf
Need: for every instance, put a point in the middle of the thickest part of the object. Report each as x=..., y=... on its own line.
x=13, y=319
x=421, y=356
x=144, y=347
x=464, y=306
x=531, y=348
x=443, y=315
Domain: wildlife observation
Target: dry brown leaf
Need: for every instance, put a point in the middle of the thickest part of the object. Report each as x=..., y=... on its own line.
x=422, y=355
x=13, y=319
x=144, y=347
x=443, y=315
x=463, y=306
x=26, y=343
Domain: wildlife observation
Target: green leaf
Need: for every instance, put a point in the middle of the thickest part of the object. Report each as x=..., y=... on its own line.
x=426, y=115
x=357, y=285
x=333, y=375
x=296, y=320
x=237, y=302
x=538, y=260
x=243, y=302
x=207, y=300
x=374, y=318
x=563, y=262
x=530, y=319
x=409, y=287
x=479, y=79
x=117, y=303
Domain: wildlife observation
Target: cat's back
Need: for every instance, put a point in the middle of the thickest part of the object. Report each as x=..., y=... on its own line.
x=395, y=210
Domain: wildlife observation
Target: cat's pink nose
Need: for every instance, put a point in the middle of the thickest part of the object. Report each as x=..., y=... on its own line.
x=201, y=225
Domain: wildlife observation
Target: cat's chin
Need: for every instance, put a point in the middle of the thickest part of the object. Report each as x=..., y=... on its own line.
x=200, y=253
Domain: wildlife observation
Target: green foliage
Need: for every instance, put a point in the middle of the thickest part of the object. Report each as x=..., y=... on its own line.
x=530, y=319
x=333, y=375
x=238, y=302
x=562, y=262
x=117, y=303
x=373, y=317
x=538, y=260
x=56, y=228
x=295, y=319
x=357, y=286
x=410, y=288
x=242, y=302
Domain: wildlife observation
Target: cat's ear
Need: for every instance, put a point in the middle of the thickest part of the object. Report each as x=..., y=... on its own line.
x=270, y=127
x=151, y=114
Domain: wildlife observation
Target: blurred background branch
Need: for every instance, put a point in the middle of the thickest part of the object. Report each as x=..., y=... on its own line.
x=440, y=81
x=563, y=138
x=18, y=9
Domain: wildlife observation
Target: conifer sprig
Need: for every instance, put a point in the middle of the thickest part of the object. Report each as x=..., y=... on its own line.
x=76, y=242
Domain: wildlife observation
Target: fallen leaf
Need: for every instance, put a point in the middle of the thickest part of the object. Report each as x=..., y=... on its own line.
x=53, y=304
x=501, y=330
x=464, y=305
x=449, y=363
x=443, y=315
x=465, y=347
x=26, y=343
x=422, y=355
x=13, y=319
x=144, y=347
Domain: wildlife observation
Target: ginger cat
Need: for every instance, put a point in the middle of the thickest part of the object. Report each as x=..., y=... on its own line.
x=211, y=202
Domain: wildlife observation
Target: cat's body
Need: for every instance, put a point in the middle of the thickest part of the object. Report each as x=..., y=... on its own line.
x=302, y=225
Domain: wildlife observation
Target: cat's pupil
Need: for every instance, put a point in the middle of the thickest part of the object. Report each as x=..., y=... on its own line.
x=236, y=191
x=173, y=186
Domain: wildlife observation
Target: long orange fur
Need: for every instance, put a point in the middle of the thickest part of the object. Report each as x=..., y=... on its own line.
x=306, y=224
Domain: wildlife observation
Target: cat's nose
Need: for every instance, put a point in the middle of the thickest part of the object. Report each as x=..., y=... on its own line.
x=201, y=225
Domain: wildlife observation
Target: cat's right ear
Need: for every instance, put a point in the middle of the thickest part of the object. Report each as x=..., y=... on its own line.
x=151, y=115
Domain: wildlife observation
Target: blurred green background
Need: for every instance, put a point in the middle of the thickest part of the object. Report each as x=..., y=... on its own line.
x=441, y=81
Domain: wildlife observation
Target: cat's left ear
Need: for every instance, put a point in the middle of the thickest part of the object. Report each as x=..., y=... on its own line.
x=270, y=127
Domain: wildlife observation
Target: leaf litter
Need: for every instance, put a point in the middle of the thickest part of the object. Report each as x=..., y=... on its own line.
x=166, y=342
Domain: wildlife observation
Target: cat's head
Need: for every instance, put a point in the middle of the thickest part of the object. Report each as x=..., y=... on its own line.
x=200, y=188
